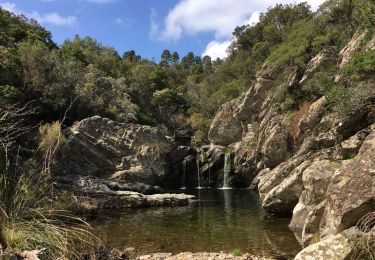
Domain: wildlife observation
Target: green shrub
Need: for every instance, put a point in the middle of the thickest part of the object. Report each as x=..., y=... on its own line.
x=361, y=65
x=237, y=252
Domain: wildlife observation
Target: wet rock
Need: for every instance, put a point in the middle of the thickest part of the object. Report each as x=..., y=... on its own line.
x=83, y=183
x=127, y=199
x=212, y=165
x=244, y=159
x=103, y=148
x=225, y=128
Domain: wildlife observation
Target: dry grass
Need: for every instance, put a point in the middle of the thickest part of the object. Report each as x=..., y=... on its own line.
x=365, y=247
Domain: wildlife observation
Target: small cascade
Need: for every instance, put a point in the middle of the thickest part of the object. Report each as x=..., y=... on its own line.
x=227, y=169
x=199, y=174
x=199, y=169
x=209, y=173
x=183, y=186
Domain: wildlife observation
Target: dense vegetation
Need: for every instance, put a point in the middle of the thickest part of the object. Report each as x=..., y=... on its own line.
x=176, y=94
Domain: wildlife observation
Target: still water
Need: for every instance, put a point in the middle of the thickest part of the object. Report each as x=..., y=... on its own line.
x=224, y=220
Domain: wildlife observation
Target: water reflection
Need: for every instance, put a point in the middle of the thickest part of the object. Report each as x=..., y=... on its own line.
x=223, y=220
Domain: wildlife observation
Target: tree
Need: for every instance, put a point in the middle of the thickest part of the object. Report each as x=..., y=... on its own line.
x=166, y=57
x=207, y=64
x=131, y=56
x=175, y=58
x=188, y=61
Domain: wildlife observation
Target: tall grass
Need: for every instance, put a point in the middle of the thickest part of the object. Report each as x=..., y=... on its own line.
x=30, y=219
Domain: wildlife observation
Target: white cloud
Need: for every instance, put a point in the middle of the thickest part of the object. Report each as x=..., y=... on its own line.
x=56, y=19
x=9, y=7
x=46, y=18
x=154, y=26
x=254, y=18
x=216, y=49
x=101, y=1
x=217, y=16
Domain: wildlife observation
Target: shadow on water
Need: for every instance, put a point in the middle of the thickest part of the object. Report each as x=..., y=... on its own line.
x=223, y=220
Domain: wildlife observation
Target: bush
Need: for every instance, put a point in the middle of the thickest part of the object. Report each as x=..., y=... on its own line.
x=361, y=65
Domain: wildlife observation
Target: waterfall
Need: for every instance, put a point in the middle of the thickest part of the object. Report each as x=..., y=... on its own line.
x=183, y=187
x=209, y=173
x=227, y=169
x=198, y=173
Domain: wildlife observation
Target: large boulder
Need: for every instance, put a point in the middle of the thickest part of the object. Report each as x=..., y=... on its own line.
x=273, y=141
x=225, y=128
x=103, y=148
x=335, y=247
x=282, y=198
x=351, y=192
x=315, y=181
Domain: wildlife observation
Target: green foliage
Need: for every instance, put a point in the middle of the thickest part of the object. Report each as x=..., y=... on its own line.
x=294, y=50
x=9, y=92
x=237, y=252
x=227, y=92
x=335, y=165
x=361, y=65
x=201, y=124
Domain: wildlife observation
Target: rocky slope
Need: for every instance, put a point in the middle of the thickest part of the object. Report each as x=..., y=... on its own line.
x=313, y=164
x=119, y=165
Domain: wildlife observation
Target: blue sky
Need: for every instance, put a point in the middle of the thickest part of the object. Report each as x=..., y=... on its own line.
x=147, y=26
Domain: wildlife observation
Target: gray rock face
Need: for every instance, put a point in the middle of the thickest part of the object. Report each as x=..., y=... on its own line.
x=281, y=199
x=225, y=128
x=351, y=192
x=312, y=117
x=315, y=181
x=354, y=45
x=273, y=143
x=320, y=62
x=107, y=149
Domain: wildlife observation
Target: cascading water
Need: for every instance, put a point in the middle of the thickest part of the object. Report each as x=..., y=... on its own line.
x=227, y=169
x=209, y=173
x=198, y=174
x=183, y=186
x=199, y=155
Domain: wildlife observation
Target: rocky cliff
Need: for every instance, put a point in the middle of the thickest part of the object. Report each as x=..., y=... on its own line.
x=312, y=163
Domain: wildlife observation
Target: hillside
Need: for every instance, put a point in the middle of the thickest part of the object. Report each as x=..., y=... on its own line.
x=290, y=113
